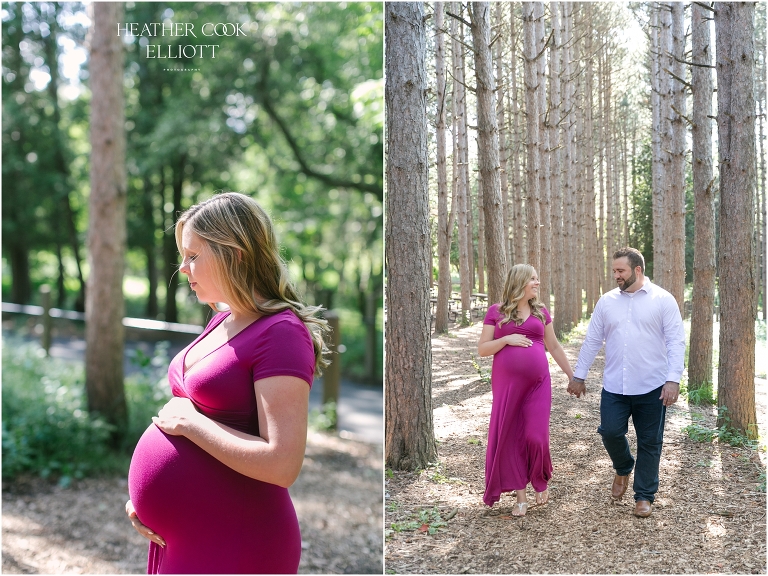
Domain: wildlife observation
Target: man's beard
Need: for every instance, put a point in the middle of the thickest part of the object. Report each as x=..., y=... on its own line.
x=628, y=282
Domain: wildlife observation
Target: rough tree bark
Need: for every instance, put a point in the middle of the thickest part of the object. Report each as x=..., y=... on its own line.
x=444, y=233
x=104, y=306
x=660, y=241
x=703, y=305
x=410, y=442
x=533, y=143
x=518, y=221
x=674, y=192
x=501, y=122
x=569, y=309
x=545, y=224
x=734, y=41
x=462, y=153
x=488, y=150
x=556, y=167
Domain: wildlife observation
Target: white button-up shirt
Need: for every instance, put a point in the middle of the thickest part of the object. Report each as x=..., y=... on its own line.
x=644, y=340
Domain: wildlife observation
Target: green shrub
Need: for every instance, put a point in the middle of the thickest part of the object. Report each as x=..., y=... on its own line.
x=46, y=427
x=704, y=395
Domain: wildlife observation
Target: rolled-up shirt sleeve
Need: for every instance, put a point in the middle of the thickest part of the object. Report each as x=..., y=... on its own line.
x=674, y=336
x=593, y=342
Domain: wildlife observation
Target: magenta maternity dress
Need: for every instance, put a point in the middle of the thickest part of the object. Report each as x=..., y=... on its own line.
x=215, y=520
x=518, y=436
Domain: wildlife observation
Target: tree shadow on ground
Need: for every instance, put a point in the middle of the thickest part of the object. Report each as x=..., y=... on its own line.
x=707, y=518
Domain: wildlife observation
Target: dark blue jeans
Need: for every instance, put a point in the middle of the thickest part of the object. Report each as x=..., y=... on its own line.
x=648, y=413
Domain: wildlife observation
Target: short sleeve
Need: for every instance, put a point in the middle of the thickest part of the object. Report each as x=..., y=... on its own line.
x=492, y=316
x=284, y=349
x=547, y=317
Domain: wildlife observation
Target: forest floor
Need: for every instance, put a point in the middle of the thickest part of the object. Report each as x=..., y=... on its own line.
x=83, y=529
x=709, y=515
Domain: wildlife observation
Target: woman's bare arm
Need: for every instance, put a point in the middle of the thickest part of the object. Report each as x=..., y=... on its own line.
x=275, y=456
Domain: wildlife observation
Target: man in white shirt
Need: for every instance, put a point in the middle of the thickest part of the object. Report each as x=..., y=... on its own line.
x=644, y=338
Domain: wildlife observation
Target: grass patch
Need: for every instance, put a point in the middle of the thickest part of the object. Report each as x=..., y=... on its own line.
x=725, y=434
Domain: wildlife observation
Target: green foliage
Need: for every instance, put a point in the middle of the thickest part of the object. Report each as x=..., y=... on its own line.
x=429, y=518
x=146, y=391
x=46, y=427
x=725, y=434
x=323, y=418
x=474, y=441
x=641, y=207
x=293, y=115
x=700, y=433
x=47, y=430
x=704, y=395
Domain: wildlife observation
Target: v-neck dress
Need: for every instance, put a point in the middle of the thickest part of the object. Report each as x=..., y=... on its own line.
x=215, y=520
x=518, y=435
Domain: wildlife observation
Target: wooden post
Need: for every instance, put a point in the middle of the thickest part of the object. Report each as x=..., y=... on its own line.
x=45, y=298
x=332, y=373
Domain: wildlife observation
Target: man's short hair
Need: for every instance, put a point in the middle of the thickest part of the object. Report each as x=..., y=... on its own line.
x=634, y=257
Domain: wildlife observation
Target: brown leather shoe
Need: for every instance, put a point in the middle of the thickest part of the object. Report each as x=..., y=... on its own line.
x=620, y=484
x=642, y=508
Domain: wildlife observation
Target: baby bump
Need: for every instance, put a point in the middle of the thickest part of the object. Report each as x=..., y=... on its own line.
x=520, y=365
x=191, y=499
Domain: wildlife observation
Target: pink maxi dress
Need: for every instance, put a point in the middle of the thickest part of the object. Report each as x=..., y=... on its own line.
x=215, y=520
x=518, y=435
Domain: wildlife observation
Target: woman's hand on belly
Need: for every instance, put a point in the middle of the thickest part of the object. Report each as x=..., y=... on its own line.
x=517, y=340
x=177, y=417
x=141, y=528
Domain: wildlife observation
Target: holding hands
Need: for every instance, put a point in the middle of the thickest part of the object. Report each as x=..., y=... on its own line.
x=577, y=387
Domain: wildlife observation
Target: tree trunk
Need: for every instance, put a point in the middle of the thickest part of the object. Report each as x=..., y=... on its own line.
x=443, y=232
x=556, y=167
x=104, y=307
x=518, y=222
x=661, y=246
x=170, y=251
x=590, y=237
x=674, y=192
x=532, y=132
x=702, y=307
x=21, y=284
x=501, y=122
x=480, y=238
x=569, y=226
x=656, y=162
x=410, y=442
x=488, y=150
x=545, y=229
x=734, y=31
x=462, y=153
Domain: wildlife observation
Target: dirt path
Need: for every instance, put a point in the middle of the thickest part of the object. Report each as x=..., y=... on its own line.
x=709, y=516
x=83, y=529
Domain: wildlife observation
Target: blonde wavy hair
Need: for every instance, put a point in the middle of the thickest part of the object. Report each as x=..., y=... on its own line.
x=247, y=267
x=514, y=290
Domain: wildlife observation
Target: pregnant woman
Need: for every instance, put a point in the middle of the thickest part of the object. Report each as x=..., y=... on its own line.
x=208, y=479
x=515, y=333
